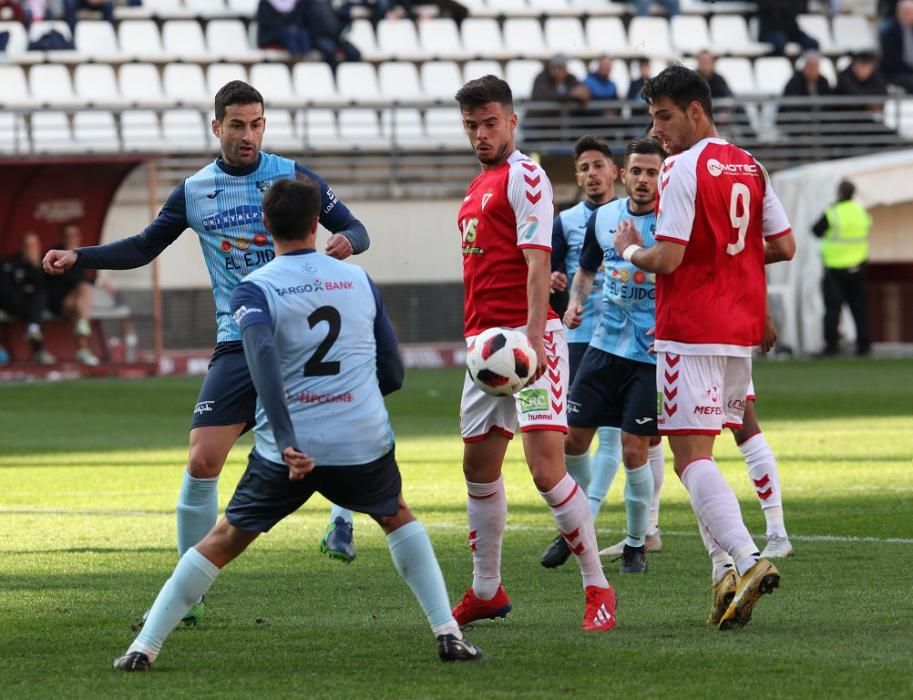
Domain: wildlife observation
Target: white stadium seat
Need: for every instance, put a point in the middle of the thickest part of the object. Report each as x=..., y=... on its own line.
x=280, y=132
x=274, y=82
x=443, y=126
x=314, y=82
x=317, y=128
x=729, y=34
x=399, y=81
x=357, y=82
x=14, y=135
x=511, y=8
x=207, y=9
x=772, y=73
x=738, y=74
x=96, y=39
x=689, y=34
x=607, y=35
x=96, y=83
x=827, y=70
x=218, y=74
x=184, y=38
x=185, y=84
x=140, y=39
x=141, y=131
x=476, y=69
x=361, y=34
x=243, y=8
x=482, y=38
x=39, y=29
x=50, y=84
x=818, y=28
x=553, y=8
x=403, y=126
x=853, y=33
x=18, y=43
x=96, y=131
x=520, y=75
x=140, y=84
x=15, y=91
x=228, y=41
x=523, y=38
x=441, y=79
x=650, y=36
x=440, y=38
x=360, y=127
x=565, y=35
x=185, y=130
x=398, y=38
x=51, y=133
x=166, y=9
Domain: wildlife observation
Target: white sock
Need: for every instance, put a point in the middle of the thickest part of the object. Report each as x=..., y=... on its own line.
x=572, y=513
x=717, y=507
x=765, y=478
x=719, y=559
x=487, y=509
x=657, y=460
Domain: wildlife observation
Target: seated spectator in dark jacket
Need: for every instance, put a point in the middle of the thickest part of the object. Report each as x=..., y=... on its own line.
x=23, y=294
x=645, y=73
x=897, y=47
x=806, y=82
x=71, y=7
x=600, y=83
x=778, y=23
x=862, y=77
x=327, y=25
x=69, y=295
x=554, y=84
x=281, y=24
x=706, y=66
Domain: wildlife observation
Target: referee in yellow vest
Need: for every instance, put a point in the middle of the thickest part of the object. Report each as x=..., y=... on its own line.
x=844, y=233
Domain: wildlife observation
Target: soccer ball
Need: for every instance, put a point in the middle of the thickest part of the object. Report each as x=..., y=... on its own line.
x=501, y=361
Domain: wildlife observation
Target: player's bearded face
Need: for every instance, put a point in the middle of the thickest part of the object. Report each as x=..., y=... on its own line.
x=240, y=133
x=639, y=177
x=672, y=125
x=595, y=174
x=490, y=129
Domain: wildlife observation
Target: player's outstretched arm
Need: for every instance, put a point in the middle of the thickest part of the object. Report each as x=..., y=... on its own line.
x=350, y=237
x=128, y=253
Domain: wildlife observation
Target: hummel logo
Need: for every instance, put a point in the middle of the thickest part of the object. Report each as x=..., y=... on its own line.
x=215, y=194
x=641, y=421
x=602, y=617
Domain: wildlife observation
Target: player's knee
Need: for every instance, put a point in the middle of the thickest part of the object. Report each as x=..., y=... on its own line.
x=634, y=456
x=576, y=443
x=205, y=464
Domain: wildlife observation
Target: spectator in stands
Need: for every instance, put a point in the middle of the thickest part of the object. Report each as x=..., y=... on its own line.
x=327, y=25
x=11, y=11
x=71, y=7
x=844, y=230
x=599, y=82
x=281, y=24
x=646, y=72
x=706, y=66
x=862, y=77
x=643, y=6
x=897, y=47
x=778, y=23
x=69, y=295
x=557, y=84
x=807, y=81
x=23, y=294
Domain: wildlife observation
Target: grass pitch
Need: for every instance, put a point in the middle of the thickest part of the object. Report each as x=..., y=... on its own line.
x=89, y=473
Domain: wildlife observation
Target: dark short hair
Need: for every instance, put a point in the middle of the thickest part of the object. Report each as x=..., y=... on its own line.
x=681, y=85
x=591, y=143
x=291, y=207
x=237, y=92
x=644, y=147
x=481, y=91
x=845, y=190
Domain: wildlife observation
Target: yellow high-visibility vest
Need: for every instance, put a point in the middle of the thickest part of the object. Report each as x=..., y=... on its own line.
x=846, y=241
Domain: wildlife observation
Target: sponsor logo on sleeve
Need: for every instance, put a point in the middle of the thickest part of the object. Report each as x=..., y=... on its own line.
x=529, y=228
x=243, y=311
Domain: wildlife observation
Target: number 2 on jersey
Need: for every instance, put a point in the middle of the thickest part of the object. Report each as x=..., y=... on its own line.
x=741, y=195
x=315, y=366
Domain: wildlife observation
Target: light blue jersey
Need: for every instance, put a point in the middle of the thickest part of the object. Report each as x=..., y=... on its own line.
x=322, y=313
x=225, y=211
x=568, y=233
x=628, y=293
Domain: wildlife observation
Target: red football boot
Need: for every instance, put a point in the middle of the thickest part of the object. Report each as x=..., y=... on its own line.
x=599, y=615
x=473, y=608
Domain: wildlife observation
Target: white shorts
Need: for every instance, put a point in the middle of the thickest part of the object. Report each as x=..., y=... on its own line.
x=540, y=406
x=701, y=394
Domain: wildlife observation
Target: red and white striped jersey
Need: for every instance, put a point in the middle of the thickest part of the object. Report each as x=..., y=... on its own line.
x=506, y=209
x=716, y=199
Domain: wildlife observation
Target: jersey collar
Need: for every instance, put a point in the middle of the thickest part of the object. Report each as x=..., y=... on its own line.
x=301, y=251
x=237, y=170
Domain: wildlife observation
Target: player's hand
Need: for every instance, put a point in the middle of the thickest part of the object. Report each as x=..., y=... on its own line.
x=338, y=246
x=627, y=234
x=298, y=463
x=558, y=282
x=56, y=261
x=573, y=317
x=541, y=358
x=652, y=346
x=770, y=335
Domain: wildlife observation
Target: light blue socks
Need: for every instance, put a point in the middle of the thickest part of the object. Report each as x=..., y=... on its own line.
x=198, y=510
x=578, y=466
x=414, y=559
x=192, y=577
x=337, y=512
x=638, y=496
x=605, y=466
